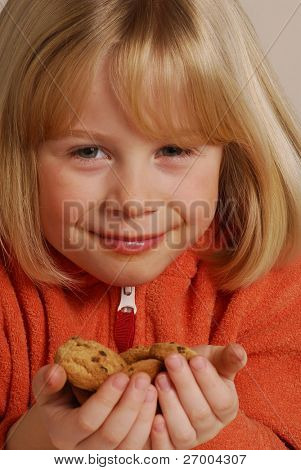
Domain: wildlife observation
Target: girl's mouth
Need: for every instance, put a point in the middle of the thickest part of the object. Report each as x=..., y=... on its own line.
x=130, y=247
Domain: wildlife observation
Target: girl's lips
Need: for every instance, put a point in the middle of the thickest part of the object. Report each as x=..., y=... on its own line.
x=129, y=247
x=130, y=239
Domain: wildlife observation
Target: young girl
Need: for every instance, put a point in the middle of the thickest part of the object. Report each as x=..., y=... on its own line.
x=159, y=121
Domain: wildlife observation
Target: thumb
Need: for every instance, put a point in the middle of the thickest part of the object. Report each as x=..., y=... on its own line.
x=47, y=382
x=227, y=360
x=230, y=359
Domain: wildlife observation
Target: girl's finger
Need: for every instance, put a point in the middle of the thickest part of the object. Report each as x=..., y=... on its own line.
x=84, y=420
x=51, y=390
x=148, y=444
x=177, y=422
x=111, y=430
x=189, y=393
x=159, y=434
x=222, y=399
x=232, y=359
x=140, y=431
x=47, y=382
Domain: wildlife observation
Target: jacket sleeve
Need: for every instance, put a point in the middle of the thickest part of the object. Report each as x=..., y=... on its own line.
x=268, y=324
x=5, y=361
x=14, y=377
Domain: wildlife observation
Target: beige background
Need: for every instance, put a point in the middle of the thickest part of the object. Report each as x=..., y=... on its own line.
x=278, y=25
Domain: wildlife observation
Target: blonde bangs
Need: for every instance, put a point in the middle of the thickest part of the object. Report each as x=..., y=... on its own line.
x=164, y=74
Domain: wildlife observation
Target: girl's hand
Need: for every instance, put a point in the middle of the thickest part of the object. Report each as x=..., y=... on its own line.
x=116, y=416
x=197, y=403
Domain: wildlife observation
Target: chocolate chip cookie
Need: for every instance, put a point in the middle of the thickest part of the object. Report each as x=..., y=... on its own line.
x=161, y=350
x=88, y=363
x=138, y=353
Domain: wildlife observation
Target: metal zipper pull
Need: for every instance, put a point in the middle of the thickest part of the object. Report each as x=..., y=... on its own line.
x=124, y=328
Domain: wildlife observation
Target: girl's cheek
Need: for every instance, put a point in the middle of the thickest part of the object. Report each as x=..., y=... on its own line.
x=200, y=200
x=61, y=195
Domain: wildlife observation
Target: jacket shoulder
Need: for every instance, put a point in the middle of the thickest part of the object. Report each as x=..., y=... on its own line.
x=273, y=302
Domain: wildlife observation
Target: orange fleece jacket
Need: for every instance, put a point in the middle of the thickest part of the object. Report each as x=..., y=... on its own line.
x=180, y=305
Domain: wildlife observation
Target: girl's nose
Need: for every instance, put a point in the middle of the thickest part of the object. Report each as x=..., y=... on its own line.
x=132, y=184
x=131, y=199
x=128, y=209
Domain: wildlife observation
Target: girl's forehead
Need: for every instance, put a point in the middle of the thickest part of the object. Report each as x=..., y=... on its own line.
x=159, y=110
x=102, y=113
x=103, y=88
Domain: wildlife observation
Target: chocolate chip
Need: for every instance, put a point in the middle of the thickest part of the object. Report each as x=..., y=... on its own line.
x=95, y=359
x=102, y=353
x=181, y=349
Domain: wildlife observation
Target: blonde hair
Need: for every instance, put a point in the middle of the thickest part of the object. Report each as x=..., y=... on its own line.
x=204, y=51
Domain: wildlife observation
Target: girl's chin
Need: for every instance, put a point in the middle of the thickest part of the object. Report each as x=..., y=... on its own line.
x=129, y=271
x=130, y=279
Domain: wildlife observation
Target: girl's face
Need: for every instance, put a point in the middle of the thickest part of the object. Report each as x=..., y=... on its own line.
x=127, y=185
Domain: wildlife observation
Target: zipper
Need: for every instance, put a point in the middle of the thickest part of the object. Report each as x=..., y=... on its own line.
x=124, y=328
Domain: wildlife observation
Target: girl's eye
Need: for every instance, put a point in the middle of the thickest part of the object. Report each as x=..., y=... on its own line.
x=83, y=154
x=186, y=153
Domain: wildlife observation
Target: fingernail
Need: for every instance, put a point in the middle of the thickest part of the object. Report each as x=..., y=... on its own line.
x=238, y=353
x=163, y=382
x=50, y=374
x=120, y=381
x=198, y=362
x=159, y=426
x=174, y=361
x=141, y=383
